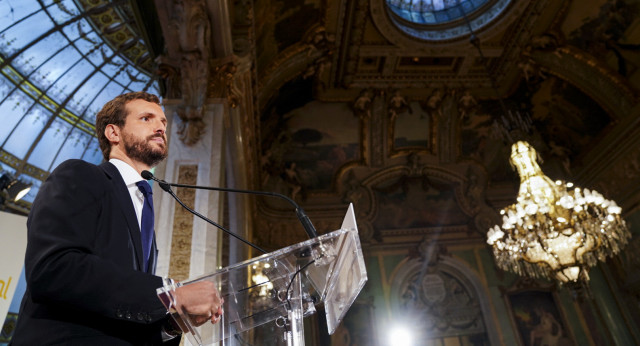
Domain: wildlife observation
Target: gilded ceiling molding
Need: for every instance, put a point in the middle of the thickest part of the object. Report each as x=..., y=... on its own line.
x=309, y=59
x=26, y=168
x=242, y=31
x=356, y=184
x=358, y=13
x=590, y=76
x=468, y=179
x=117, y=25
x=221, y=84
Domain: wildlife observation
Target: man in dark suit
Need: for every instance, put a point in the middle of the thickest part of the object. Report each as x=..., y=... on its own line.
x=85, y=265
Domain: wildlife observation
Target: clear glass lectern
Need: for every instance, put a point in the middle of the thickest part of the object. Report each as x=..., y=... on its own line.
x=266, y=298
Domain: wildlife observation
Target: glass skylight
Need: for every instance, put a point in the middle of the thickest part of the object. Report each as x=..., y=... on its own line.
x=56, y=72
x=433, y=11
x=441, y=20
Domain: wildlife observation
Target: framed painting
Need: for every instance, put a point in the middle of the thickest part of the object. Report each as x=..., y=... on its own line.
x=537, y=318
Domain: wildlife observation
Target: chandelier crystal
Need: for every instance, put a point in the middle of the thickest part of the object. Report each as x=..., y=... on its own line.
x=555, y=230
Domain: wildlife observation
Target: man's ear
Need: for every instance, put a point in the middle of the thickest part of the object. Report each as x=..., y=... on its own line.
x=112, y=132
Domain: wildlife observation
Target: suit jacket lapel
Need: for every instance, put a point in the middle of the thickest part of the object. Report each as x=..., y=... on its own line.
x=125, y=204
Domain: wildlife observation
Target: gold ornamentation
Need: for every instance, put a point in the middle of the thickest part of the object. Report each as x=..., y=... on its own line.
x=183, y=225
x=222, y=83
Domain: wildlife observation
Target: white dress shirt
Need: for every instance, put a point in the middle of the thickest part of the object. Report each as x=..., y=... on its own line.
x=131, y=177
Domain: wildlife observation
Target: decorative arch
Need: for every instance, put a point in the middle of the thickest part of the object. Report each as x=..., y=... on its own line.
x=443, y=295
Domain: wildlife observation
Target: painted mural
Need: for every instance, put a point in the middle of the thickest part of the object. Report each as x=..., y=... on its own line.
x=318, y=139
x=538, y=319
x=411, y=202
x=412, y=126
x=283, y=23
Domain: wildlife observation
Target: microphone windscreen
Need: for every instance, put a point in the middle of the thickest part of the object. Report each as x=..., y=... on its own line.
x=146, y=175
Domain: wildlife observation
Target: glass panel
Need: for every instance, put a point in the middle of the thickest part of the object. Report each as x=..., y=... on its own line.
x=73, y=147
x=63, y=61
x=93, y=153
x=6, y=168
x=27, y=131
x=48, y=146
x=87, y=91
x=11, y=112
x=153, y=89
x=24, y=33
x=88, y=44
x=77, y=29
x=70, y=80
x=112, y=90
x=63, y=11
x=438, y=5
x=56, y=67
x=432, y=11
x=5, y=87
x=11, y=12
x=138, y=82
x=33, y=57
x=115, y=69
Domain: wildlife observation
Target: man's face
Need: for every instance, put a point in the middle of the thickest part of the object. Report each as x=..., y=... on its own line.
x=143, y=134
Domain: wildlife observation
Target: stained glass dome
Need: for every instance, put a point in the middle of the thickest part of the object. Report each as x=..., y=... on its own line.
x=60, y=61
x=439, y=20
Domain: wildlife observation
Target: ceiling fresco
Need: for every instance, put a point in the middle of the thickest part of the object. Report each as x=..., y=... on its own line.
x=368, y=114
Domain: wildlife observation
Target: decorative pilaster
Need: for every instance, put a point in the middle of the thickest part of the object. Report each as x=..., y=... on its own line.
x=185, y=66
x=183, y=225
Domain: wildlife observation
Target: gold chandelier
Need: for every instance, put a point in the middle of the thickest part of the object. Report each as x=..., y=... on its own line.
x=555, y=230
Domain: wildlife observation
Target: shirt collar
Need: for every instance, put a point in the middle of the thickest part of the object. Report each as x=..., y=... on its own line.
x=128, y=173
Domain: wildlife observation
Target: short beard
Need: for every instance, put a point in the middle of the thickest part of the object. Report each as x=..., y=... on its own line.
x=141, y=150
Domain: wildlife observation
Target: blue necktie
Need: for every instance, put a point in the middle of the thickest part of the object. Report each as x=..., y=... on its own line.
x=146, y=226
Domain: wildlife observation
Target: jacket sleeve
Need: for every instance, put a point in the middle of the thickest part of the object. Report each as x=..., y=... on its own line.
x=65, y=264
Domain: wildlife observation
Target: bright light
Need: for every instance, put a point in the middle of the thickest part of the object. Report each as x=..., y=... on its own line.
x=400, y=336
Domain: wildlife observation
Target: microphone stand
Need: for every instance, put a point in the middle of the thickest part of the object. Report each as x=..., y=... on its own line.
x=167, y=187
x=304, y=219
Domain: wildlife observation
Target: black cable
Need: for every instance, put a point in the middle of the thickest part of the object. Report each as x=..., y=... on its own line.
x=213, y=223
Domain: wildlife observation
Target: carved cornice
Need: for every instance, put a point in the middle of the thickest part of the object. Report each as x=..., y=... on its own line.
x=292, y=62
x=589, y=75
x=222, y=83
x=187, y=28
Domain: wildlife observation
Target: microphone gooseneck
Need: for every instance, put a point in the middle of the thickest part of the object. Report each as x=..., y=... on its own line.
x=304, y=219
x=167, y=187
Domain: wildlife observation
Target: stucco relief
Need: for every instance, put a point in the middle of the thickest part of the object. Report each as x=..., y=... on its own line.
x=436, y=291
x=179, y=267
x=189, y=20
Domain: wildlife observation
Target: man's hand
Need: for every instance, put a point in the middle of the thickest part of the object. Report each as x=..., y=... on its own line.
x=201, y=301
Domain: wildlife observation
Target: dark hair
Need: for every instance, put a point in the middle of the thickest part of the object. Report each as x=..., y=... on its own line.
x=113, y=112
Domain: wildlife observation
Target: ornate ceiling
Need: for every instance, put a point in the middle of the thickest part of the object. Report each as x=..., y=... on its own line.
x=349, y=107
x=349, y=101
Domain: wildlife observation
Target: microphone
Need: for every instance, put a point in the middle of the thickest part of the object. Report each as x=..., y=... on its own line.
x=167, y=187
x=304, y=219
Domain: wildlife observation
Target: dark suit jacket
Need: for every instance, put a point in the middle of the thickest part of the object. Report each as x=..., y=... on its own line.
x=83, y=264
